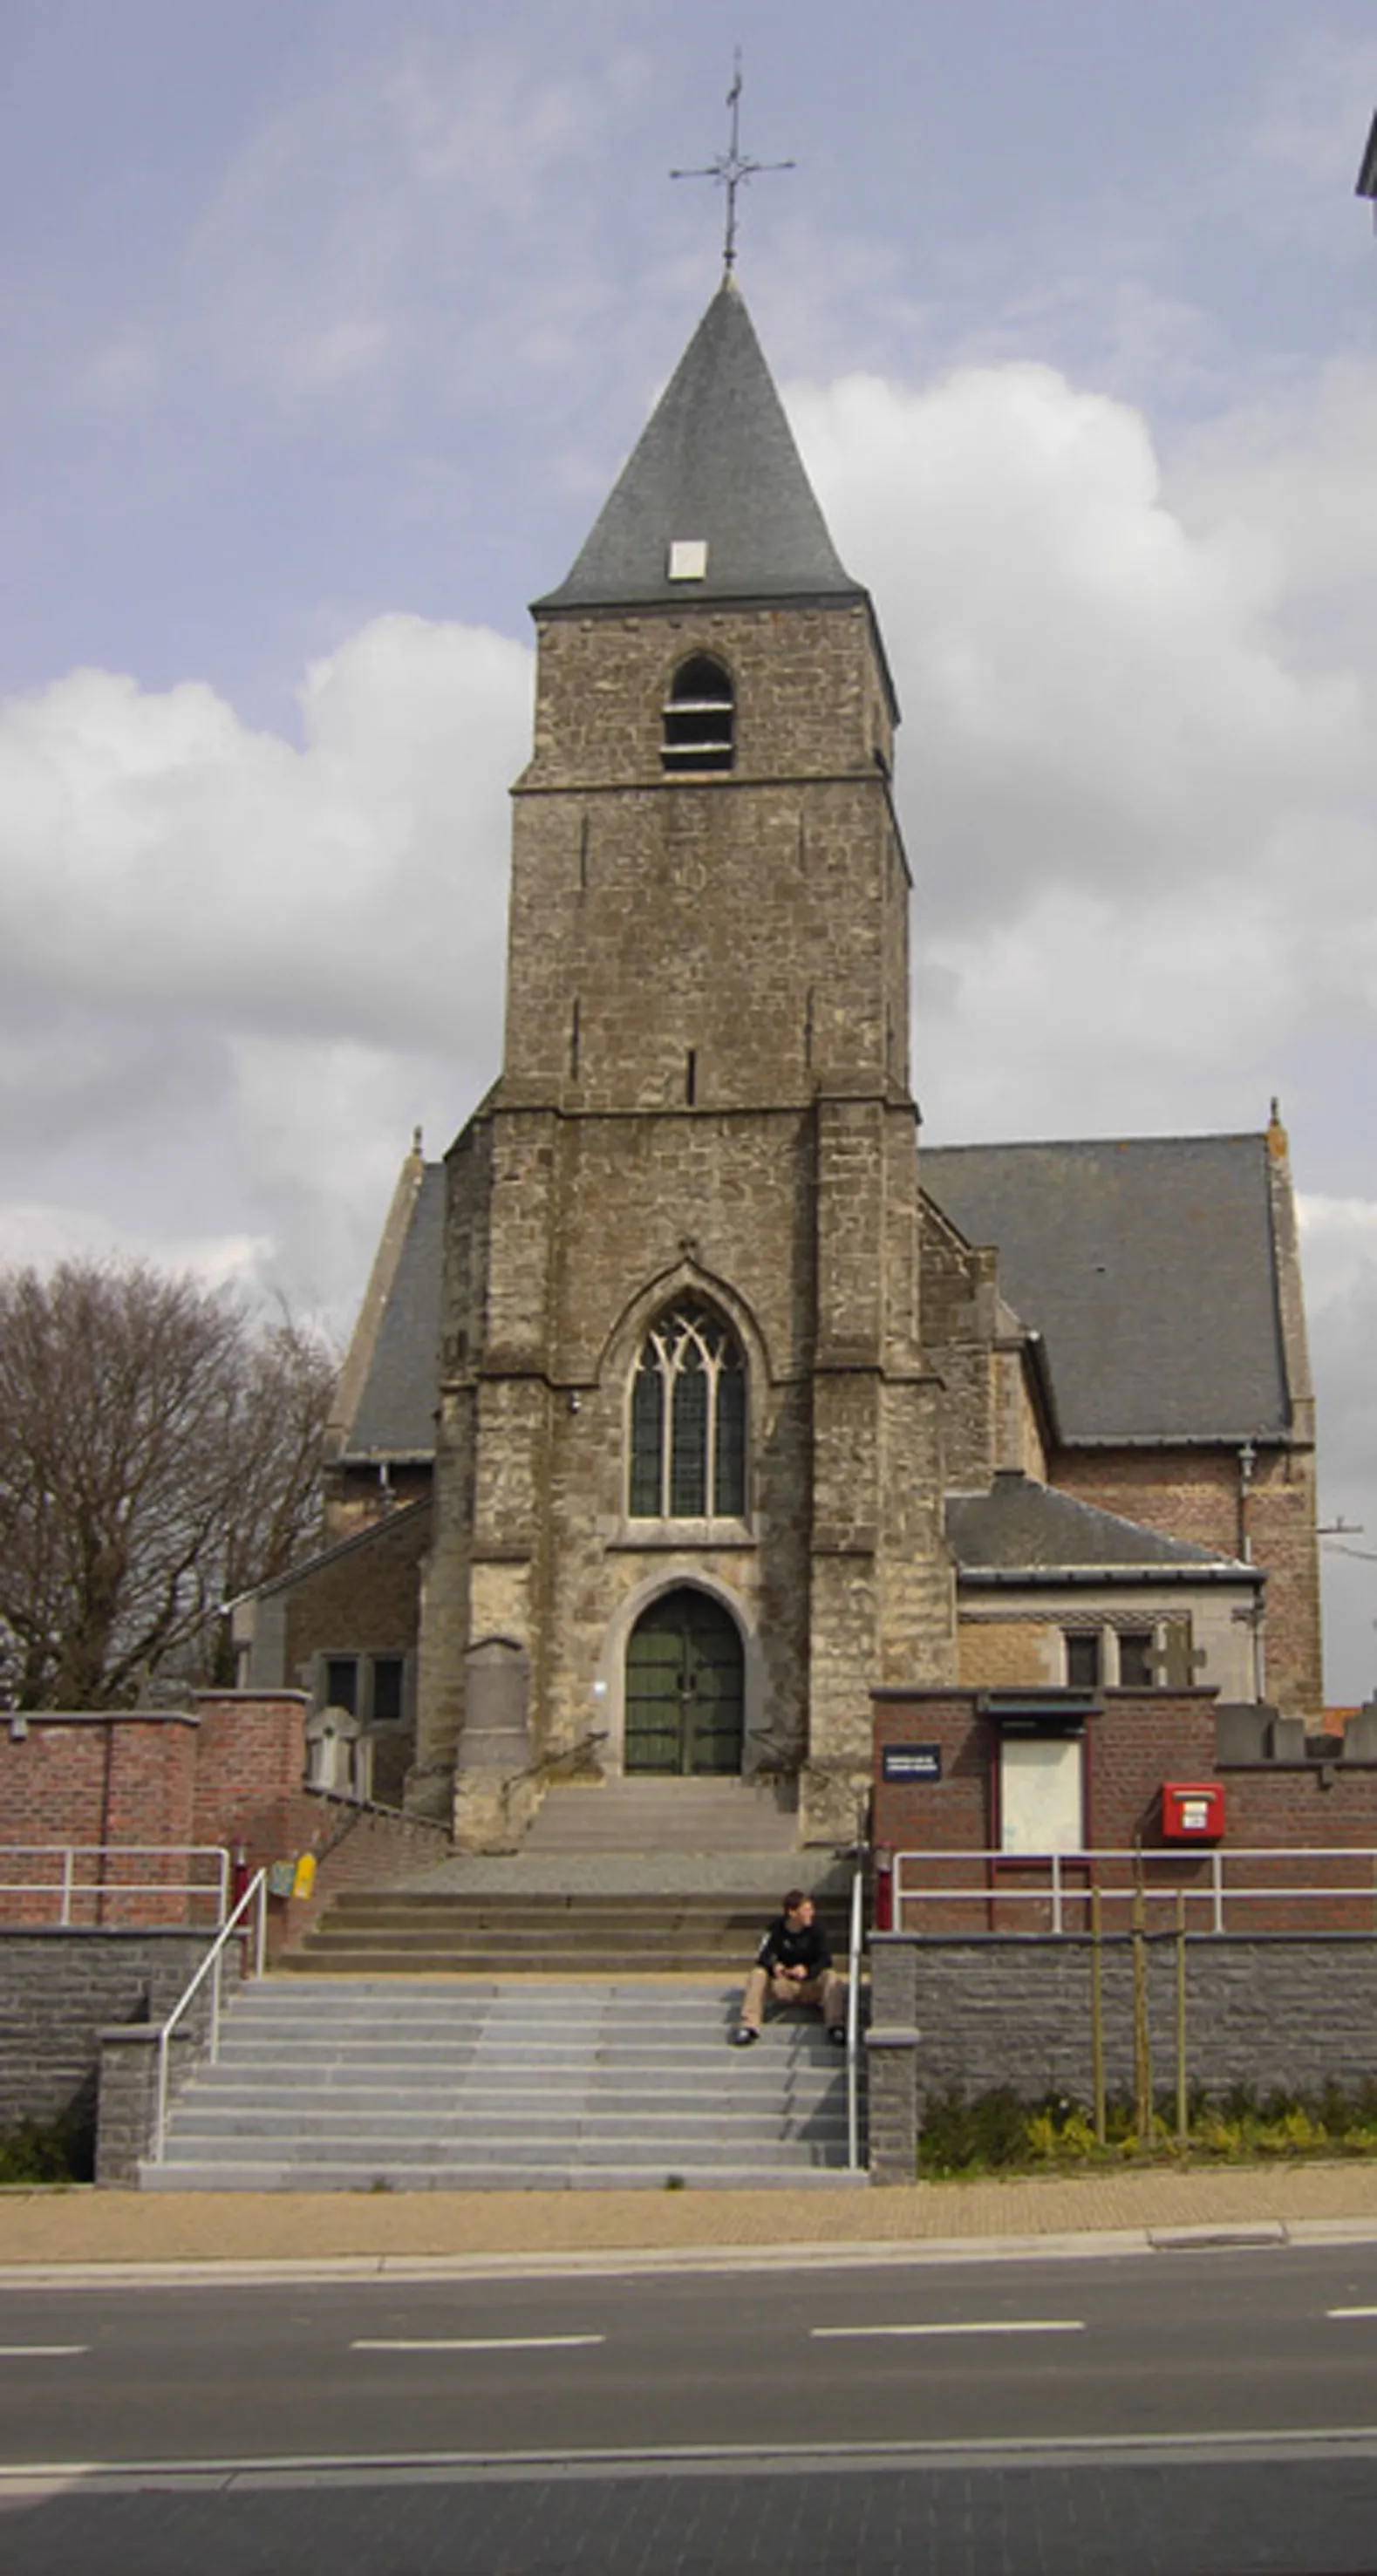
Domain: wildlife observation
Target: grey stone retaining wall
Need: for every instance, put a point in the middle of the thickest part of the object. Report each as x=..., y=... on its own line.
x=60, y=1989
x=1273, y=2010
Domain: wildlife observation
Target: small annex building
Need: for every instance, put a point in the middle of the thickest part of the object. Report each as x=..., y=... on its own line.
x=689, y=1403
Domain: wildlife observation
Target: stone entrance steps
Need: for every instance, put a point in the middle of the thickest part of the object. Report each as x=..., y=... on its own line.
x=413, y=2085
x=448, y=1932
x=656, y=1815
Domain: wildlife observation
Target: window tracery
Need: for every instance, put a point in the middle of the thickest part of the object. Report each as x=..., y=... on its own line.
x=688, y=1419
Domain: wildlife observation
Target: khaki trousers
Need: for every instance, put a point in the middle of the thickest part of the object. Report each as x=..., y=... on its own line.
x=829, y=1990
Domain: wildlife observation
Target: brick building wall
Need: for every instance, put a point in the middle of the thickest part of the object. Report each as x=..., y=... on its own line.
x=1139, y=1739
x=1196, y=1494
x=1287, y=1810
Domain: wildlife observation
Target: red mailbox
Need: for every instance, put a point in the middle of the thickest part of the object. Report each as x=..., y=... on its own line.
x=1192, y=1811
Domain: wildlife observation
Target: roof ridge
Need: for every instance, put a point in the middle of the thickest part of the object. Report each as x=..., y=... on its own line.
x=716, y=473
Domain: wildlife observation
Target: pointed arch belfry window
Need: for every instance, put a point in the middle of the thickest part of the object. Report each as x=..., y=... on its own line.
x=688, y=1419
x=699, y=717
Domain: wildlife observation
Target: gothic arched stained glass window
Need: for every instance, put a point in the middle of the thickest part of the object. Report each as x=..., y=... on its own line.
x=688, y=1419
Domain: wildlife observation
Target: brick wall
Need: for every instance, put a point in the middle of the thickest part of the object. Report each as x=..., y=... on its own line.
x=94, y=1779
x=220, y=1775
x=1194, y=1494
x=1138, y=1740
x=366, y=1601
x=250, y=1752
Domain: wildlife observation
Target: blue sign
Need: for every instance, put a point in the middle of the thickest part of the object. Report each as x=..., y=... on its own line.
x=911, y=1762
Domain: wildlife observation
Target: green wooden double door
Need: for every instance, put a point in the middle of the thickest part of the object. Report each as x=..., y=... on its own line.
x=685, y=1688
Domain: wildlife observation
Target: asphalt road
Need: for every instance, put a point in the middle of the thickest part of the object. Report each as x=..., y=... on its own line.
x=1205, y=2413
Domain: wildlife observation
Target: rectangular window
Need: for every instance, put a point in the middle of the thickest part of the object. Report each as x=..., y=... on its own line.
x=387, y=1691
x=1137, y=1659
x=342, y=1683
x=371, y=1687
x=1083, y=1663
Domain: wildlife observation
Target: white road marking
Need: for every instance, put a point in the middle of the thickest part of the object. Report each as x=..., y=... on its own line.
x=1351, y=2312
x=38, y=2351
x=42, y=2477
x=976, y=2326
x=472, y=2343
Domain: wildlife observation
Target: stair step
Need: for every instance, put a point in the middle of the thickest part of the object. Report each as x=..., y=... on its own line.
x=250, y=2175
x=526, y=2082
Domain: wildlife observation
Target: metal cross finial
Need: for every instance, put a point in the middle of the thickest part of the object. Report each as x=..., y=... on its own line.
x=733, y=168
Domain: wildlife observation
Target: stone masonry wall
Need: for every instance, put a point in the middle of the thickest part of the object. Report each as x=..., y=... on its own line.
x=1270, y=2012
x=58, y=1990
x=705, y=1092
x=757, y=918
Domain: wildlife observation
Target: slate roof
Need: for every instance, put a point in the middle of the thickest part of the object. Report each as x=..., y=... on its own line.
x=716, y=461
x=356, y=1540
x=1148, y=1267
x=395, y=1413
x=1020, y=1524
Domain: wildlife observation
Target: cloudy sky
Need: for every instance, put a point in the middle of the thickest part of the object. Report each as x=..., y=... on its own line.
x=328, y=323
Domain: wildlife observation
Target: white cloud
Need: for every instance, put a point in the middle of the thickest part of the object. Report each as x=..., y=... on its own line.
x=1140, y=803
x=160, y=851
x=235, y=973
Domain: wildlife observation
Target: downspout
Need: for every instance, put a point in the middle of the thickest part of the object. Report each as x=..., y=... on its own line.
x=1247, y=1461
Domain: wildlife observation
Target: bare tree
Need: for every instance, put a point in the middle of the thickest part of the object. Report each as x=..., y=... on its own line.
x=159, y=1450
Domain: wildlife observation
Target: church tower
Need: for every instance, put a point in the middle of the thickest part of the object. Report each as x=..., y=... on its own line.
x=688, y=1482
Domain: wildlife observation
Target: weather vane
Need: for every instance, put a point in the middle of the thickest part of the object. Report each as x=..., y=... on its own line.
x=733, y=167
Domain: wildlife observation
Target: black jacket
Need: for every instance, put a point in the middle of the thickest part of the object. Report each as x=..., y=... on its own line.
x=808, y=1947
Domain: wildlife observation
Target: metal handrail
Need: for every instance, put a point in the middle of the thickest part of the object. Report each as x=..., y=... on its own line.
x=67, y=1886
x=255, y=1894
x=1062, y=1889
x=853, y=2022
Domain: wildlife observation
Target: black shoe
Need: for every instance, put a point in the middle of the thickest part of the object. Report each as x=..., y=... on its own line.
x=744, y=2036
x=837, y=2035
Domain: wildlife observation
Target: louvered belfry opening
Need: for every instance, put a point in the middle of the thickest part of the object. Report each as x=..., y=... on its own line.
x=699, y=718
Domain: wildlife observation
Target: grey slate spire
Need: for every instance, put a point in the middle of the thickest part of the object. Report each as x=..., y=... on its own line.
x=715, y=466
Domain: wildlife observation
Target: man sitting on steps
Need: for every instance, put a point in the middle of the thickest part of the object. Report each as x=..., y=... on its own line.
x=794, y=1966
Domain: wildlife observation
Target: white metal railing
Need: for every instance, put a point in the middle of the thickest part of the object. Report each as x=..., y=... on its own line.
x=1209, y=1882
x=853, y=2021
x=79, y=1874
x=255, y=1895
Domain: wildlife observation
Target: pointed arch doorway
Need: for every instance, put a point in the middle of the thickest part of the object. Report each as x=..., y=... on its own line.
x=685, y=1688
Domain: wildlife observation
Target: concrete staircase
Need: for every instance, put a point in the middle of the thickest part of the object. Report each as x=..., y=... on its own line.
x=444, y=1931
x=640, y=1814
x=470, y=2084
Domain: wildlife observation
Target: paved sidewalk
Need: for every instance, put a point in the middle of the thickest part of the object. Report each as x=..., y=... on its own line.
x=85, y=2228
